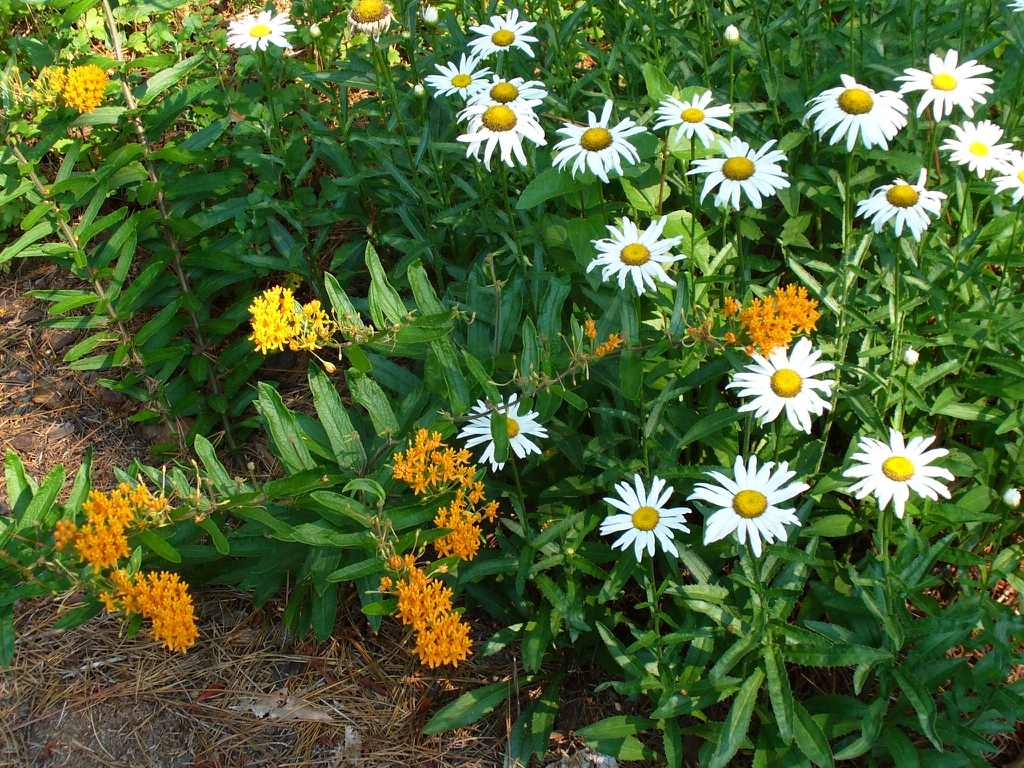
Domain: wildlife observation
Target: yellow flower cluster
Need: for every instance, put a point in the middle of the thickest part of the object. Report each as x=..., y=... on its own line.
x=80, y=87
x=278, y=319
x=102, y=541
x=430, y=464
x=162, y=598
x=425, y=604
x=772, y=322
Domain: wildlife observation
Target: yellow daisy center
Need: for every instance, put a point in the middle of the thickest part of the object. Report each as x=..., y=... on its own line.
x=503, y=93
x=749, y=504
x=635, y=255
x=503, y=38
x=596, y=139
x=978, y=149
x=898, y=468
x=461, y=81
x=902, y=196
x=499, y=118
x=738, y=168
x=692, y=115
x=646, y=518
x=259, y=30
x=369, y=11
x=944, y=82
x=1020, y=177
x=513, y=427
x=786, y=383
x=855, y=101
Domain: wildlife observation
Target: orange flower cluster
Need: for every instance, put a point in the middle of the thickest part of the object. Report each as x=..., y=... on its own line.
x=79, y=87
x=162, y=598
x=430, y=464
x=590, y=328
x=425, y=604
x=772, y=322
x=614, y=342
x=102, y=541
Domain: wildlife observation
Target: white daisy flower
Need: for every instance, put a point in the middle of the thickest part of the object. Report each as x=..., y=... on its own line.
x=640, y=255
x=1017, y=5
x=644, y=518
x=502, y=34
x=748, y=504
x=1013, y=177
x=786, y=382
x=891, y=472
x=947, y=85
x=856, y=109
x=514, y=91
x=503, y=125
x=596, y=147
x=742, y=170
x=257, y=32
x=463, y=78
x=975, y=146
x=520, y=429
x=429, y=14
x=695, y=116
x=910, y=204
x=370, y=17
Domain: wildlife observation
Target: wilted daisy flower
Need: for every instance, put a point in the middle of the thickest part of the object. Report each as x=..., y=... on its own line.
x=502, y=34
x=975, y=146
x=514, y=91
x=370, y=17
x=503, y=125
x=910, y=204
x=520, y=430
x=1013, y=177
x=786, y=382
x=695, y=116
x=742, y=170
x=257, y=32
x=947, y=85
x=853, y=108
x=644, y=518
x=596, y=147
x=639, y=255
x=891, y=472
x=429, y=14
x=462, y=78
x=748, y=504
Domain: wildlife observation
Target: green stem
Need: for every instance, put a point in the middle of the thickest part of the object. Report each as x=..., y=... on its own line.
x=274, y=131
x=522, y=500
x=652, y=599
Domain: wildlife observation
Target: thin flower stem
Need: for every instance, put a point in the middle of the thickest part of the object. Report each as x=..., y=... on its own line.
x=522, y=501
x=274, y=129
x=652, y=599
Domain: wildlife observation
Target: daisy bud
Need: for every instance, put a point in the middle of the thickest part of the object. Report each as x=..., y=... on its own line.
x=1012, y=498
x=314, y=30
x=911, y=356
x=732, y=35
x=429, y=14
x=418, y=89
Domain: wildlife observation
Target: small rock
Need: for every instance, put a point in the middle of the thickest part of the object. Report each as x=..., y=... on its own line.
x=24, y=443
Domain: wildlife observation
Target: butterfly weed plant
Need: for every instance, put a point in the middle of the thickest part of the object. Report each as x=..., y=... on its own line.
x=680, y=339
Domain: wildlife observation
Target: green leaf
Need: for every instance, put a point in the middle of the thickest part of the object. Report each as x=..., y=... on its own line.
x=381, y=607
x=546, y=185
x=215, y=471
x=734, y=730
x=78, y=615
x=80, y=487
x=163, y=80
x=499, y=434
x=810, y=739
x=153, y=540
x=615, y=727
x=352, y=572
x=536, y=638
x=837, y=656
x=384, y=299
x=6, y=637
x=923, y=703
x=219, y=540
x=710, y=425
x=832, y=525
x=458, y=387
x=467, y=709
x=43, y=498
x=658, y=85
x=904, y=753
x=483, y=379
x=284, y=429
x=368, y=394
x=779, y=692
x=344, y=439
x=342, y=304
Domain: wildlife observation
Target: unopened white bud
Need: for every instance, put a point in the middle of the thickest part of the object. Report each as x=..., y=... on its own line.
x=429, y=14
x=910, y=357
x=314, y=30
x=732, y=35
x=418, y=89
x=1012, y=498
